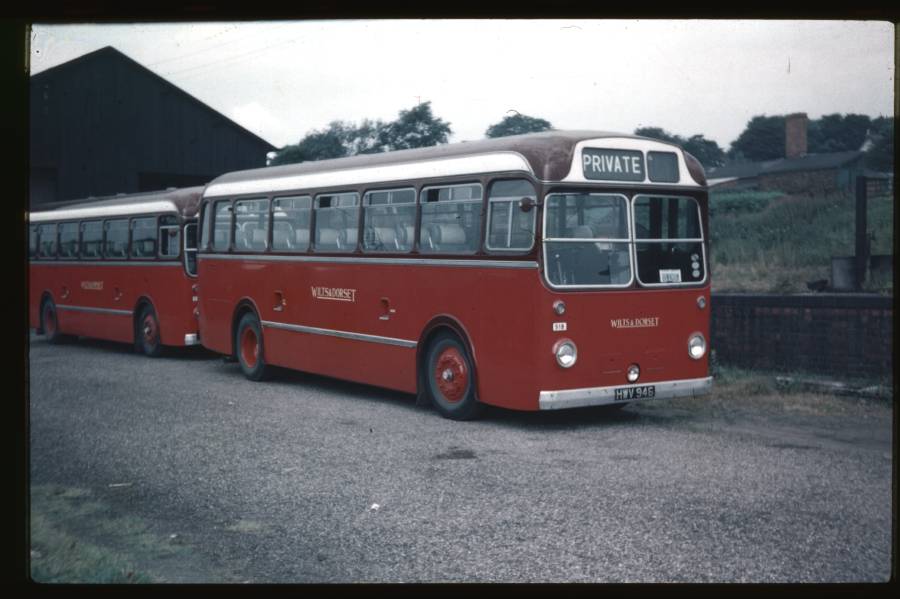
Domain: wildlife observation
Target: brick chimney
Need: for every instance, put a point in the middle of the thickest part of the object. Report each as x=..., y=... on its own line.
x=795, y=135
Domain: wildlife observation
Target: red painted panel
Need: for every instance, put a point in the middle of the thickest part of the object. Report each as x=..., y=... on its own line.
x=113, y=287
x=506, y=315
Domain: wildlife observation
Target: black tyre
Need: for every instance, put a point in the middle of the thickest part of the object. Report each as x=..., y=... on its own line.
x=248, y=343
x=147, y=336
x=450, y=378
x=50, y=323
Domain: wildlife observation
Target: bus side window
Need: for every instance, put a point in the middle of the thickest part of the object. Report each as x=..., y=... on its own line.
x=221, y=239
x=169, y=237
x=91, y=239
x=509, y=227
x=32, y=241
x=251, y=232
x=143, y=237
x=205, y=220
x=47, y=241
x=116, y=239
x=337, y=218
x=290, y=231
x=68, y=241
x=451, y=219
x=389, y=220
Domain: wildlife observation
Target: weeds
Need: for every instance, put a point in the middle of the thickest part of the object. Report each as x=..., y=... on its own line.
x=773, y=242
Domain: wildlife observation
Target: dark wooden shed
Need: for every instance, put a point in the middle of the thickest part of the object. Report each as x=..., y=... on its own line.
x=103, y=124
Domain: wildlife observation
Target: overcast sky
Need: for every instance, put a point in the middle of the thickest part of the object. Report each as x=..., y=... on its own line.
x=284, y=79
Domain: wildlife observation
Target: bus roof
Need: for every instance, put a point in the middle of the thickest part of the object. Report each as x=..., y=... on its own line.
x=546, y=155
x=184, y=202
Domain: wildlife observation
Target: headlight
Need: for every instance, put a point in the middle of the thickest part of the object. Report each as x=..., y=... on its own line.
x=696, y=346
x=566, y=353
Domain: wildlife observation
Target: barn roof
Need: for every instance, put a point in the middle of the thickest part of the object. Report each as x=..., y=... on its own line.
x=108, y=53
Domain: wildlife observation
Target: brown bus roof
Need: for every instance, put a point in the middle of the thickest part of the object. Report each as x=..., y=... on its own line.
x=549, y=153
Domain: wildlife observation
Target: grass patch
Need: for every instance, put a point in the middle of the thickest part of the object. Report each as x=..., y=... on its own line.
x=75, y=539
x=773, y=242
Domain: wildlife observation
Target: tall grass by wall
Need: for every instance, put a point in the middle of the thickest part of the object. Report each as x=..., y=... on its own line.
x=767, y=241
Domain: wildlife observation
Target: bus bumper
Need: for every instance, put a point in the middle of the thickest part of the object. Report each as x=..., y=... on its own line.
x=598, y=396
x=192, y=339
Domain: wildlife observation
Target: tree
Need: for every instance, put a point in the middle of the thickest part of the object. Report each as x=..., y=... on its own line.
x=518, y=124
x=837, y=133
x=414, y=128
x=880, y=155
x=762, y=139
x=318, y=145
x=707, y=151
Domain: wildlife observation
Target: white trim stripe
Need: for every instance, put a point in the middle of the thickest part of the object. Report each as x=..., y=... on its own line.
x=296, y=328
x=526, y=264
x=76, y=262
x=151, y=207
x=94, y=310
x=488, y=162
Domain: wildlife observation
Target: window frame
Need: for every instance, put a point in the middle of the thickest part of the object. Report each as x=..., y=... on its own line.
x=40, y=251
x=314, y=222
x=534, y=214
x=628, y=240
x=309, y=225
x=420, y=203
x=212, y=226
x=77, y=240
x=131, y=255
x=413, y=245
x=701, y=240
x=268, y=220
x=81, y=226
x=104, y=243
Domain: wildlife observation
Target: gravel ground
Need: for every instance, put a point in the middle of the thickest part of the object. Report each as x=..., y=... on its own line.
x=309, y=479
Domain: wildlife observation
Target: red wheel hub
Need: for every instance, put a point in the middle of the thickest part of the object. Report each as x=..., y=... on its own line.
x=451, y=375
x=151, y=331
x=249, y=347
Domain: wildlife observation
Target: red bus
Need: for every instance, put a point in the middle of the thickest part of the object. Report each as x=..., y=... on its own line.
x=121, y=268
x=543, y=271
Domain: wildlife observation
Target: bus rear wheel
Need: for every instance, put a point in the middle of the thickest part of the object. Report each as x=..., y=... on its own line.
x=148, y=333
x=50, y=323
x=249, y=348
x=450, y=378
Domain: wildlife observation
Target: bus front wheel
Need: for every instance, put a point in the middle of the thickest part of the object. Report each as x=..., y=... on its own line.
x=50, y=323
x=249, y=348
x=148, y=333
x=450, y=378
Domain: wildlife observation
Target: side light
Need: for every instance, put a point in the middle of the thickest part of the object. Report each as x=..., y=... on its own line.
x=559, y=307
x=566, y=353
x=633, y=373
x=696, y=346
x=701, y=302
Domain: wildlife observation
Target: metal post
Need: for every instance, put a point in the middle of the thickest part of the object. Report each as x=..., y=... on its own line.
x=861, y=239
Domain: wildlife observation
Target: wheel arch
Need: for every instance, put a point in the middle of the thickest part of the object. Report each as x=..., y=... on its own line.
x=45, y=295
x=139, y=305
x=245, y=305
x=438, y=324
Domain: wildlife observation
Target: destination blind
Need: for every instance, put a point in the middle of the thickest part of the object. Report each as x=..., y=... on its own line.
x=612, y=165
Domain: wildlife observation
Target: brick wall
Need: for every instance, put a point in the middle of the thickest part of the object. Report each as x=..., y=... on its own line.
x=812, y=182
x=838, y=335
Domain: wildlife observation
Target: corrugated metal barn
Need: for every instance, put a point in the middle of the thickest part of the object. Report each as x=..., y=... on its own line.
x=103, y=124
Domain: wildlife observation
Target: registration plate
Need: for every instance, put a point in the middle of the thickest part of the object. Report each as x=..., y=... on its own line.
x=642, y=392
